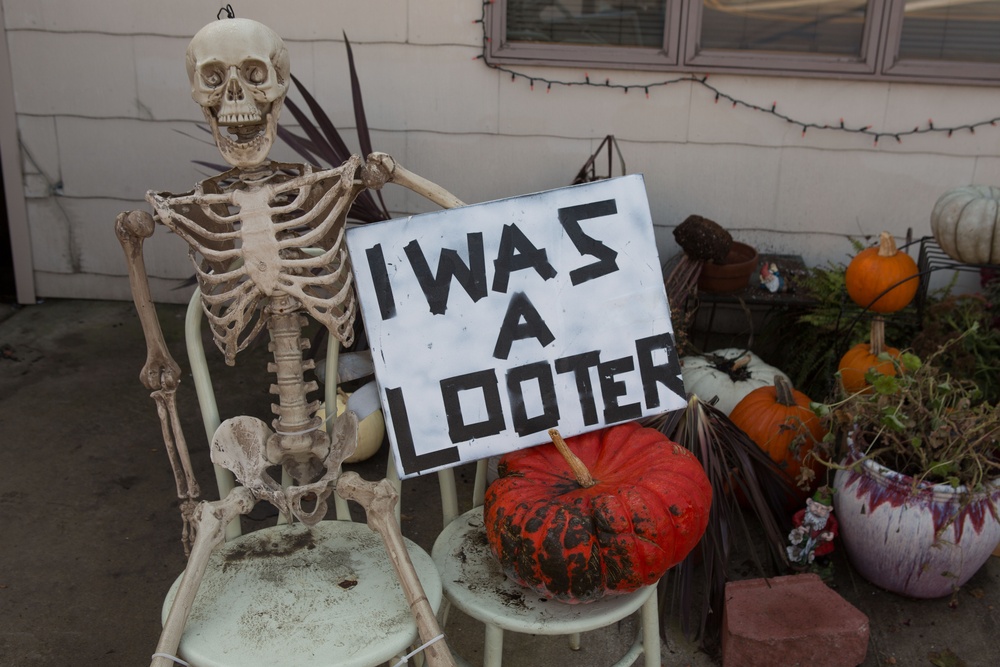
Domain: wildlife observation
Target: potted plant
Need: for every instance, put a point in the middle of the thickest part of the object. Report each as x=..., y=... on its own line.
x=916, y=491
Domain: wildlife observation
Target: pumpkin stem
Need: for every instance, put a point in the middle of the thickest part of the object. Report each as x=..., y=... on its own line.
x=741, y=362
x=877, y=341
x=783, y=389
x=886, y=245
x=579, y=468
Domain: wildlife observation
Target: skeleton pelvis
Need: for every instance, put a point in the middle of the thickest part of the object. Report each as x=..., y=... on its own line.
x=301, y=454
x=241, y=444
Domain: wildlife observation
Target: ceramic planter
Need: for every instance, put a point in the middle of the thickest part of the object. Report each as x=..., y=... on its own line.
x=920, y=541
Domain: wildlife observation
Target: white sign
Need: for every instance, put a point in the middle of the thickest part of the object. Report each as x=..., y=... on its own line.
x=492, y=323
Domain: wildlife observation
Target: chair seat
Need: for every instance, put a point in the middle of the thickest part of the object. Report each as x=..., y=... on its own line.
x=290, y=596
x=474, y=582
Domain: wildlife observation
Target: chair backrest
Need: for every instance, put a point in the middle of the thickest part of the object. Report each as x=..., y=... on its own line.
x=449, y=490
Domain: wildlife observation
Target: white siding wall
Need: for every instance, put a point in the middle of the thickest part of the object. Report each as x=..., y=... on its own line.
x=104, y=114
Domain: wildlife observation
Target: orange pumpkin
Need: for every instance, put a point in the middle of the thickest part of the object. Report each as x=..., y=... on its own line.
x=775, y=417
x=877, y=269
x=863, y=357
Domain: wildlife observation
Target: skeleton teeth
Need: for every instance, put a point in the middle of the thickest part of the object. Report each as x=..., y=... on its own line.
x=239, y=118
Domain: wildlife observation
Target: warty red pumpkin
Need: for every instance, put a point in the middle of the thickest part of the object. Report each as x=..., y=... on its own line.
x=644, y=508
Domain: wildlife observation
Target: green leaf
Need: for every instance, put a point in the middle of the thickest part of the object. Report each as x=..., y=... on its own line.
x=909, y=361
x=884, y=384
x=892, y=421
x=945, y=658
x=941, y=469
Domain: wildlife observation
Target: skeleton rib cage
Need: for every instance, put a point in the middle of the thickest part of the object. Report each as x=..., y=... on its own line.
x=251, y=240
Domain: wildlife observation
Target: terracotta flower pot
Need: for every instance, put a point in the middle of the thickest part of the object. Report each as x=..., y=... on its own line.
x=733, y=274
x=916, y=540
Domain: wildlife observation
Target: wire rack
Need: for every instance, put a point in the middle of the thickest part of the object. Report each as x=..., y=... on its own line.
x=932, y=258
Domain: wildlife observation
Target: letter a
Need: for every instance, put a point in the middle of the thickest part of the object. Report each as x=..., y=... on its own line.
x=532, y=326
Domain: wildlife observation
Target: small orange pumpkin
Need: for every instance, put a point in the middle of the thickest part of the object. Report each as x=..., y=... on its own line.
x=774, y=417
x=874, y=270
x=863, y=357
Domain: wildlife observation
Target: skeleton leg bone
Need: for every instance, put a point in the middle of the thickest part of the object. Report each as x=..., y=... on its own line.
x=379, y=499
x=210, y=520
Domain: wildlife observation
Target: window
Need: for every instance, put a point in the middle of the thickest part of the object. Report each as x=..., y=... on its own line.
x=914, y=40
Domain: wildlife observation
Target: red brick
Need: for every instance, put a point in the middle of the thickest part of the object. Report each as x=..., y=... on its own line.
x=793, y=621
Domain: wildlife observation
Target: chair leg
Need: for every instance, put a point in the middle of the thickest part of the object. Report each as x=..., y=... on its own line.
x=343, y=509
x=650, y=632
x=574, y=641
x=443, y=612
x=493, y=650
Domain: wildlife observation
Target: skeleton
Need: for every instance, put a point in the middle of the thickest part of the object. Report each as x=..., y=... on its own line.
x=266, y=240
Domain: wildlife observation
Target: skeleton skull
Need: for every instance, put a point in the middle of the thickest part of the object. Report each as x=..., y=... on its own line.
x=239, y=75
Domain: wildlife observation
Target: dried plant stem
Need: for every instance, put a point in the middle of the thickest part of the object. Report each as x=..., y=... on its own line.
x=683, y=279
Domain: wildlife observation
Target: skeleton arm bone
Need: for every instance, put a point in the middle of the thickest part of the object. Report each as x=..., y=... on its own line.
x=382, y=168
x=160, y=370
x=160, y=374
x=180, y=462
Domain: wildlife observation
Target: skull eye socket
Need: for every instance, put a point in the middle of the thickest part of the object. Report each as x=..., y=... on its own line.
x=255, y=72
x=212, y=77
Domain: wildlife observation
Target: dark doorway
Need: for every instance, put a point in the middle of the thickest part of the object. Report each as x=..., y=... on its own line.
x=8, y=290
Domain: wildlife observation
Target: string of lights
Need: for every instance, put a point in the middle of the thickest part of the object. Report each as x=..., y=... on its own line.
x=702, y=80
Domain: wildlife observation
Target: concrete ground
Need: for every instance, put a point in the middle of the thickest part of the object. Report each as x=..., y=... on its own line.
x=91, y=529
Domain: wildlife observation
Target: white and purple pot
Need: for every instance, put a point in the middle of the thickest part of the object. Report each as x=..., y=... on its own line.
x=919, y=540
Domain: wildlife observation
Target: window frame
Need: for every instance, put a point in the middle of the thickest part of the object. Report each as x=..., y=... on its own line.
x=501, y=51
x=789, y=63
x=945, y=71
x=878, y=61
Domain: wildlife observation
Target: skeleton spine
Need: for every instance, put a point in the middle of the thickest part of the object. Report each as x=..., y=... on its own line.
x=295, y=414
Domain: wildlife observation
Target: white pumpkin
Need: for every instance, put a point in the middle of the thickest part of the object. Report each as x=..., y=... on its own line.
x=729, y=373
x=964, y=223
x=371, y=430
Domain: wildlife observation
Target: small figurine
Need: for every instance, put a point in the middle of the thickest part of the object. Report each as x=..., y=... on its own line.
x=812, y=538
x=771, y=278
